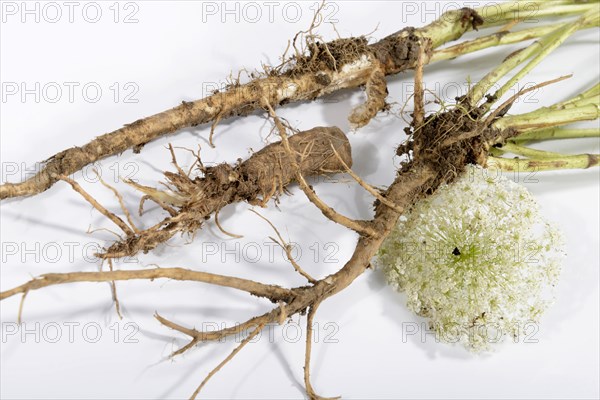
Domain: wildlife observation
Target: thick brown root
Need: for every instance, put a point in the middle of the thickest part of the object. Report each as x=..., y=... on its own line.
x=264, y=175
x=329, y=67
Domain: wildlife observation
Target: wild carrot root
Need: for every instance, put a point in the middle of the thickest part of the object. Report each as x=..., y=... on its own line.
x=263, y=176
x=327, y=68
x=440, y=146
x=436, y=160
x=415, y=179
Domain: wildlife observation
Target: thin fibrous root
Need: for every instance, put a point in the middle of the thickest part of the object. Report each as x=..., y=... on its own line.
x=286, y=248
x=360, y=227
x=21, y=305
x=114, y=218
x=212, y=129
x=271, y=292
x=218, y=224
x=196, y=336
x=376, y=193
x=113, y=290
x=244, y=342
x=312, y=395
x=121, y=202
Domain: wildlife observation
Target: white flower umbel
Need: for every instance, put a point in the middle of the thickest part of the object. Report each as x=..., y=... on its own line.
x=476, y=258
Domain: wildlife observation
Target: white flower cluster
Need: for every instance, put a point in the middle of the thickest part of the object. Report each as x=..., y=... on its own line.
x=476, y=258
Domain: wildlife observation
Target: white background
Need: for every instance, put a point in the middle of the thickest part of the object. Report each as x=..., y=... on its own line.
x=173, y=53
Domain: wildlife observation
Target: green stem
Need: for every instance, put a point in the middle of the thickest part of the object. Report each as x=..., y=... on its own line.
x=497, y=39
x=498, y=14
x=445, y=28
x=556, y=133
x=538, y=50
x=528, y=152
x=580, y=161
x=494, y=151
x=593, y=92
x=549, y=43
x=581, y=103
x=548, y=117
x=578, y=101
